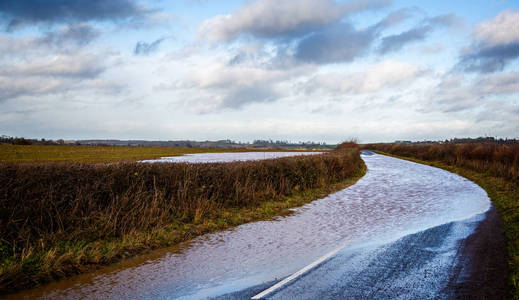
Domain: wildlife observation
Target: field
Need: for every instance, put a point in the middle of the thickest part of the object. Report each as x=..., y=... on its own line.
x=63, y=218
x=494, y=167
x=40, y=153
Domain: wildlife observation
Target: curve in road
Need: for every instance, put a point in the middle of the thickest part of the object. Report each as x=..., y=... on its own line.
x=398, y=209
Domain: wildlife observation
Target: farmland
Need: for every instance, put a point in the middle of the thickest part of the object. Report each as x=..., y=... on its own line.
x=98, y=154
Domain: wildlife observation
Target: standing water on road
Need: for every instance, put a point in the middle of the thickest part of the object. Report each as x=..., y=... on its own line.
x=394, y=199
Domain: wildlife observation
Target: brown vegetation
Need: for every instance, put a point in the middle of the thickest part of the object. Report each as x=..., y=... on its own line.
x=49, y=209
x=497, y=160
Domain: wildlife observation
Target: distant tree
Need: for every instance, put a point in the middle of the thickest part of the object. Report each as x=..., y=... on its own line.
x=21, y=141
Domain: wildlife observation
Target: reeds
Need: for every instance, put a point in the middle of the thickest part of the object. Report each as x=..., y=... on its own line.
x=496, y=160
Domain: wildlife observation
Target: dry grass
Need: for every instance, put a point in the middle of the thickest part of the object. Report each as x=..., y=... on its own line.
x=495, y=160
x=59, y=218
x=494, y=167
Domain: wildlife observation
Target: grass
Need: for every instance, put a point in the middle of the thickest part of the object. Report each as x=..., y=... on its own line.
x=98, y=154
x=493, y=177
x=60, y=219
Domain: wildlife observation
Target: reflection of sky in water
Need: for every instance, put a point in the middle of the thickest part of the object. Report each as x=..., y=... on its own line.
x=228, y=157
x=393, y=199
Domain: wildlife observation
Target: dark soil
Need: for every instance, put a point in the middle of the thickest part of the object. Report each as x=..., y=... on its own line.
x=482, y=270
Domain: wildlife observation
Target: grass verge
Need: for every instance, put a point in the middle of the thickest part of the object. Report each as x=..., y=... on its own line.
x=505, y=197
x=64, y=219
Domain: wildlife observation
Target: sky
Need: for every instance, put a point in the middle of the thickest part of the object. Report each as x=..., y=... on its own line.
x=298, y=70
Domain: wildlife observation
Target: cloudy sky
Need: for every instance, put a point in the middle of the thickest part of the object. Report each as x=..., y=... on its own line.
x=299, y=70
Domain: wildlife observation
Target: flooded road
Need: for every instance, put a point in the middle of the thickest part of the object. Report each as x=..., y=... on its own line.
x=395, y=199
x=228, y=157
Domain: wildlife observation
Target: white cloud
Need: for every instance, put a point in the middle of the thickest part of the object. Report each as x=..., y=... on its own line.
x=495, y=44
x=223, y=75
x=15, y=47
x=86, y=66
x=43, y=75
x=503, y=29
x=502, y=83
x=273, y=18
x=386, y=74
x=216, y=84
x=457, y=93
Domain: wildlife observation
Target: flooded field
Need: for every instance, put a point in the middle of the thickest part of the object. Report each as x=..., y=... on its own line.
x=228, y=157
x=394, y=199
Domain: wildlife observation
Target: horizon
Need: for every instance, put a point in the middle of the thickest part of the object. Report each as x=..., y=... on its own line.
x=304, y=70
x=260, y=141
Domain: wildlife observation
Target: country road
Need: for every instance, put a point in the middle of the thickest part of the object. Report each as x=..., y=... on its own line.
x=418, y=266
x=401, y=225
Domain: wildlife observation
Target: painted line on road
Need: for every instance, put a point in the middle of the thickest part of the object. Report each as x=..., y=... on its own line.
x=298, y=273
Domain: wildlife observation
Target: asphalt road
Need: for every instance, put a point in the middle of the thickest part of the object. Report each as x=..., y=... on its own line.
x=431, y=264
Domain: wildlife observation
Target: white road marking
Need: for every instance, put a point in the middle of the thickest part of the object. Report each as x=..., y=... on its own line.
x=298, y=273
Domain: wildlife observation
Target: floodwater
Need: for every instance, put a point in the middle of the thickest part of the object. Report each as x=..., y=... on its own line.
x=228, y=157
x=394, y=199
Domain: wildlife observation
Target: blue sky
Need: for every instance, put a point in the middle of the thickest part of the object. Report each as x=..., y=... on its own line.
x=297, y=70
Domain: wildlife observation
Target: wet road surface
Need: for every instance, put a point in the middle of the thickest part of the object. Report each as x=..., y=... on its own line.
x=417, y=266
x=399, y=210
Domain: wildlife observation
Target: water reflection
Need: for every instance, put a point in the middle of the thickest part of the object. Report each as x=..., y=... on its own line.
x=228, y=157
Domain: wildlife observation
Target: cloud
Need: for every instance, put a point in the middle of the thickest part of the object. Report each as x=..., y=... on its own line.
x=339, y=43
x=237, y=85
x=11, y=47
x=396, y=42
x=498, y=84
x=242, y=95
x=396, y=17
x=486, y=100
x=447, y=20
x=143, y=48
x=305, y=31
x=495, y=44
x=79, y=34
x=80, y=66
x=433, y=49
x=252, y=52
x=18, y=13
x=65, y=39
x=500, y=30
x=44, y=75
x=384, y=75
x=219, y=75
x=281, y=19
x=457, y=93
x=489, y=59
